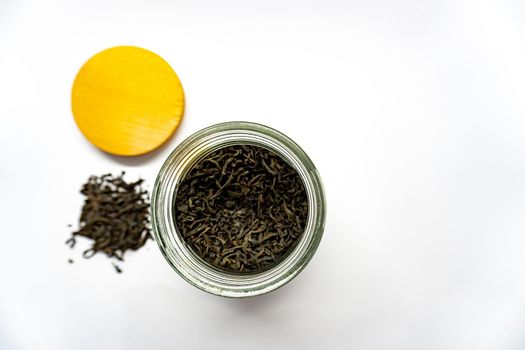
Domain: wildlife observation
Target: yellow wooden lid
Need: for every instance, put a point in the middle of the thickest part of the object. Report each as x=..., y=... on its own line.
x=127, y=100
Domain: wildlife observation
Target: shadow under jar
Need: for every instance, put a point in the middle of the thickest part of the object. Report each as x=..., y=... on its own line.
x=172, y=237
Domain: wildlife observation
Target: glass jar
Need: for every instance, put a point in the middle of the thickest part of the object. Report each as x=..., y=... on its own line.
x=182, y=258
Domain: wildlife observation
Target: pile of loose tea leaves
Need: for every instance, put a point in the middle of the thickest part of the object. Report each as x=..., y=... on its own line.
x=241, y=208
x=115, y=216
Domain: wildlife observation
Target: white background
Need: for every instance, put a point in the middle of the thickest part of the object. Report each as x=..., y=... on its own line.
x=413, y=112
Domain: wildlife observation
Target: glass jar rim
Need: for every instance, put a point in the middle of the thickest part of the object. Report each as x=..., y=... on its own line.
x=183, y=260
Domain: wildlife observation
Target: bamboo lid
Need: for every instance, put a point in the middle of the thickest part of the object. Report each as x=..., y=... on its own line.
x=127, y=100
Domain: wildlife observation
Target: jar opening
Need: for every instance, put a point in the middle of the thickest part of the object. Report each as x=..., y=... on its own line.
x=240, y=208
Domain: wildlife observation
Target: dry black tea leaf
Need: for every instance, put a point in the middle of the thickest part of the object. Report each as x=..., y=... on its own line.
x=115, y=216
x=117, y=268
x=241, y=208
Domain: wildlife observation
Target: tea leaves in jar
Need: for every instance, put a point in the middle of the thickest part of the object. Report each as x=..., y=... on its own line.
x=241, y=208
